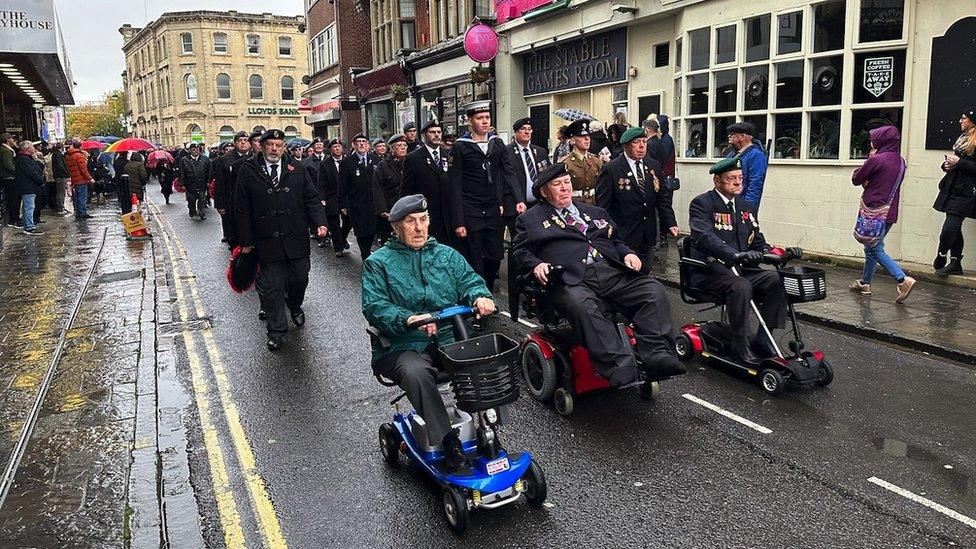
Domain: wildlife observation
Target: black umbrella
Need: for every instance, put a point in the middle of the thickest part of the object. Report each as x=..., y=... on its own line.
x=242, y=270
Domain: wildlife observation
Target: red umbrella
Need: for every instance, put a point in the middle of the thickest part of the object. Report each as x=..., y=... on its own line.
x=130, y=144
x=156, y=156
x=88, y=144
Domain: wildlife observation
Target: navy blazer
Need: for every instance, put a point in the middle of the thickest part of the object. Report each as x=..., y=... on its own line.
x=541, y=236
x=720, y=234
x=634, y=210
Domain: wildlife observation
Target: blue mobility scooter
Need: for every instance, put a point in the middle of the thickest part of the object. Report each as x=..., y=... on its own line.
x=481, y=374
x=798, y=367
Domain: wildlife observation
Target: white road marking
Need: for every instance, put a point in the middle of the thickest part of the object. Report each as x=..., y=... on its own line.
x=924, y=501
x=722, y=411
x=521, y=321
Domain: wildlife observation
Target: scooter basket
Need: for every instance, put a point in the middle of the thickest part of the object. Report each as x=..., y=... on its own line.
x=483, y=371
x=804, y=284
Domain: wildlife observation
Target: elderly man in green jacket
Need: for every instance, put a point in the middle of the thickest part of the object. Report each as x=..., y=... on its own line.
x=408, y=276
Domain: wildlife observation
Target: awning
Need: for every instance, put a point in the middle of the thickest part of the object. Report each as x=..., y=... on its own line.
x=33, y=61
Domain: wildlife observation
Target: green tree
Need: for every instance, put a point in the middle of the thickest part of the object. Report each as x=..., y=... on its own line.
x=98, y=118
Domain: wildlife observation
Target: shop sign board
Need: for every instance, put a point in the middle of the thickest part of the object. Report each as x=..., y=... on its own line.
x=481, y=43
x=581, y=63
x=280, y=111
x=28, y=26
x=879, y=74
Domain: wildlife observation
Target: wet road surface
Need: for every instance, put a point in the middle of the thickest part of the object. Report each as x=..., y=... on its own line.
x=621, y=471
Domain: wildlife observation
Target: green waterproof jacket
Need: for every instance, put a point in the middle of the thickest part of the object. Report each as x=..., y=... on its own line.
x=399, y=282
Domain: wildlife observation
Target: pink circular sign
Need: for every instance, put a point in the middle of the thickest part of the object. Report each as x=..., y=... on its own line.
x=481, y=43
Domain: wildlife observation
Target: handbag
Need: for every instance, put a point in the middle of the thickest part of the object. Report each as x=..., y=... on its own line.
x=672, y=183
x=870, y=224
x=178, y=186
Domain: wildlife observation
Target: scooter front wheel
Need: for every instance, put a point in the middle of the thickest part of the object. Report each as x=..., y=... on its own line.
x=683, y=348
x=535, y=485
x=825, y=375
x=563, y=400
x=650, y=390
x=456, y=509
x=772, y=382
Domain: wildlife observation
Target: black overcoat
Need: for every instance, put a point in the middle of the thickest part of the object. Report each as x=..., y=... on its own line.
x=635, y=211
x=356, y=193
x=957, y=189
x=421, y=175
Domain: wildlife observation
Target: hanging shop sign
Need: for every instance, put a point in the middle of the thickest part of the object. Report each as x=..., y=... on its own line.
x=481, y=43
x=582, y=63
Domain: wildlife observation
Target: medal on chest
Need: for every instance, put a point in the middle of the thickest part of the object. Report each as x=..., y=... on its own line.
x=558, y=221
x=623, y=183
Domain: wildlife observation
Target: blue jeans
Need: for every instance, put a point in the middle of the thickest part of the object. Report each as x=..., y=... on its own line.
x=27, y=200
x=877, y=254
x=80, y=199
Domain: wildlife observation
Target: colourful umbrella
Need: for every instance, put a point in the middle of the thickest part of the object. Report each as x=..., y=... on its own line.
x=104, y=138
x=88, y=144
x=130, y=144
x=572, y=114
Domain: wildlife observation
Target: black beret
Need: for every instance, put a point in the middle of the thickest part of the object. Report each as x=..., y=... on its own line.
x=378, y=141
x=334, y=142
x=522, y=122
x=741, y=127
x=272, y=134
x=578, y=128
x=240, y=134
x=431, y=124
x=193, y=145
x=255, y=135
x=360, y=136
x=396, y=138
x=410, y=204
x=316, y=140
x=971, y=115
x=558, y=169
x=409, y=126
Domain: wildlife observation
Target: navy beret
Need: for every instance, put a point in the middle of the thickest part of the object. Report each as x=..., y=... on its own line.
x=255, y=135
x=410, y=126
x=558, y=169
x=431, y=124
x=360, y=136
x=272, y=134
x=240, y=134
x=410, y=204
x=522, y=122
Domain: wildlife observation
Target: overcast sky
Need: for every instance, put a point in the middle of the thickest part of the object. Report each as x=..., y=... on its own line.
x=91, y=32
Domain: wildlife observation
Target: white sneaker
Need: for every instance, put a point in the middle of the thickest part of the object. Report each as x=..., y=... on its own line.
x=863, y=289
x=904, y=289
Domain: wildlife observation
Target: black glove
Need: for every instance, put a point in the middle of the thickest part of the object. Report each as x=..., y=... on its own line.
x=752, y=257
x=795, y=252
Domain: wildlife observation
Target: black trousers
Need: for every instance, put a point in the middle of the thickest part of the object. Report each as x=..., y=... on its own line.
x=513, y=281
x=383, y=229
x=365, y=243
x=12, y=198
x=762, y=286
x=196, y=201
x=951, y=238
x=281, y=287
x=484, y=248
x=416, y=374
x=640, y=298
x=227, y=225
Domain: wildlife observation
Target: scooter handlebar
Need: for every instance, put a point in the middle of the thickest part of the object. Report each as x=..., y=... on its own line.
x=442, y=315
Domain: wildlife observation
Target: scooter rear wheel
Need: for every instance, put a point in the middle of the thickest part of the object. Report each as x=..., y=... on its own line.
x=456, y=509
x=535, y=485
x=539, y=372
x=825, y=375
x=682, y=347
x=390, y=444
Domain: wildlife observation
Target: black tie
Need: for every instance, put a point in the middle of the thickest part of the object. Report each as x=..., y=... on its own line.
x=274, y=174
x=731, y=206
x=735, y=226
x=533, y=173
x=437, y=159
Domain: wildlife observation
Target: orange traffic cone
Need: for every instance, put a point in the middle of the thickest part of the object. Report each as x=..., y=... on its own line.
x=138, y=234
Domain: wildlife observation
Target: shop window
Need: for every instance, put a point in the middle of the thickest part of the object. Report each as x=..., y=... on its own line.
x=824, y=139
x=881, y=20
x=722, y=146
x=220, y=42
x=291, y=132
x=828, y=25
x=827, y=80
x=186, y=42
x=789, y=84
x=190, y=87
x=223, y=86
x=698, y=94
x=255, y=87
x=226, y=133
x=726, y=84
x=756, y=88
x=697, y=138
x=787, y=127
x=790, y=35
x=408, y=34
x=287, y=88
x=677, y=55
x=865, y=120
x=482, y=8
x=662, y=54
x=879, y=77
x=253, y=43
x=648, y=105
x=284, y=46
x=759, y=122
x=725, y=45
x=699, y=39
x=757, y=38
x=619, y=98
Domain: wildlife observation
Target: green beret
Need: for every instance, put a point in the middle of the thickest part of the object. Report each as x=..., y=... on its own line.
x=726, y=165
x=630, y=135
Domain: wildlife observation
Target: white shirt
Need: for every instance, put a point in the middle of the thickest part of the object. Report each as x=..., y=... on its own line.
x=633, y=167
x=725, y=199
x=267, y=168
x=529, y=197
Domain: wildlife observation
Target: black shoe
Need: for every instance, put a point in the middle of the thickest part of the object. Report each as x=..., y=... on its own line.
x=192, y=215
x=940, y=261
x=762, y=346
x=224, y=240
x=341, y=253
x=18, y=225
x=274, y=344
x=663, y=366
x=298, y=317
x=623, y=375
x=40, y=221
x=203, y=217
x=87, y=216
x=454, y=458
x=953, y=267
x=262, y=315
x=741, y=350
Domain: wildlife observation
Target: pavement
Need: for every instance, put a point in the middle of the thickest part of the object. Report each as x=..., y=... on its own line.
x=279, y=449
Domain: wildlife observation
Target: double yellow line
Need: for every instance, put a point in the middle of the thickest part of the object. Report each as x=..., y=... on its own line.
x=261, y=503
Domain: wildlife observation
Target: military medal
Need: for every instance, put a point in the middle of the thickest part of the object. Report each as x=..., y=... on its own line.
x=546, y=224
x=357, y=172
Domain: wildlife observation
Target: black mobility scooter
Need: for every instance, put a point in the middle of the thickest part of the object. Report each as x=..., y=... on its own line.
x=710, y=339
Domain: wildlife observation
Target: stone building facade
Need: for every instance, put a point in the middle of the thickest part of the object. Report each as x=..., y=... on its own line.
x=204, y=75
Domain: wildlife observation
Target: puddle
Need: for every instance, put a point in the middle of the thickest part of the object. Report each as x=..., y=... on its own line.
x=958, y=479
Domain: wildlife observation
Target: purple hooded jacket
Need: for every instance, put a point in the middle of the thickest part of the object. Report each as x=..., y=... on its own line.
x=879, y=173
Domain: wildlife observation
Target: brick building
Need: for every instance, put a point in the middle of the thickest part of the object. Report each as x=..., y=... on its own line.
x=337, y=45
